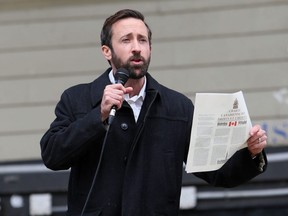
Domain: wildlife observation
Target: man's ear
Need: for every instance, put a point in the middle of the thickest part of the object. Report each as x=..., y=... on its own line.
x=106, y=51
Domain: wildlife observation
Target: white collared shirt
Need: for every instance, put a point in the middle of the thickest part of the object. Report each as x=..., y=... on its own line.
x=136, y=101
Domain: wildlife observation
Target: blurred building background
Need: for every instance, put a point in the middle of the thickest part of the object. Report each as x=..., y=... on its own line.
x=198, y=46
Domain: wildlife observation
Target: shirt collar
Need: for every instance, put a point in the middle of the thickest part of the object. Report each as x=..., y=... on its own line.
x=111, y=77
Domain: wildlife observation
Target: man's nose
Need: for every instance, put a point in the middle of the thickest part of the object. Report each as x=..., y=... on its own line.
x=136, y=46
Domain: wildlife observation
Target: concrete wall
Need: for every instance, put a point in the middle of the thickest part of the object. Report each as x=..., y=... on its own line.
x=198, y=46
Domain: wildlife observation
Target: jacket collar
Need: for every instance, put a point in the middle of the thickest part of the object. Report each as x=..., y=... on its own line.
x=98, y=86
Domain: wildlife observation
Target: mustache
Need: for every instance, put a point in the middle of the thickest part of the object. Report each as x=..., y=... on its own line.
x=137, y=57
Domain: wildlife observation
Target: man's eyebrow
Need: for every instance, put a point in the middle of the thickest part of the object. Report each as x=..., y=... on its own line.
x=130, y=34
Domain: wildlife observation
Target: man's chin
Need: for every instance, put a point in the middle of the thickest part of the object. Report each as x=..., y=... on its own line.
x=137, y=73
x=136, y=76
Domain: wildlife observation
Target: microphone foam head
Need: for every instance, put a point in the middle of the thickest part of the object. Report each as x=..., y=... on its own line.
x=121, y=76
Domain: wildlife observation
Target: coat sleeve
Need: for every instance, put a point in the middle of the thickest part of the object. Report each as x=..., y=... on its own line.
x=70, y=134
x=239, y=169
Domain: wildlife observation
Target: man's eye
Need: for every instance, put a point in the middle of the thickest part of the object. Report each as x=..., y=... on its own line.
x=143, y=40
x=126, y=40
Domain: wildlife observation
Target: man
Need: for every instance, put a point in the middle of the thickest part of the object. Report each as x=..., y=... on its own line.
x=140, y=167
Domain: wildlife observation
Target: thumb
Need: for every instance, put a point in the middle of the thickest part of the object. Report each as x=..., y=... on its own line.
x=128, y=90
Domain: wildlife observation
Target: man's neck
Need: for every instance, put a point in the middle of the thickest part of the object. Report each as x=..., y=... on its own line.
x=136, y=84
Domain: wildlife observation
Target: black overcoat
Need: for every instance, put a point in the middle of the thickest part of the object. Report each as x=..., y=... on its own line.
x=141, y=168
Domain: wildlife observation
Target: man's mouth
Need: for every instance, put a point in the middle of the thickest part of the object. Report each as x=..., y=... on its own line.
x=136, y=60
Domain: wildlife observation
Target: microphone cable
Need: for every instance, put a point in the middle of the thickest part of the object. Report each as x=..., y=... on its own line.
x=97, y=171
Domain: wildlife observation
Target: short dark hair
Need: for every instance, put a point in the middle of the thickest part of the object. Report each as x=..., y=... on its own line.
x=106, y=33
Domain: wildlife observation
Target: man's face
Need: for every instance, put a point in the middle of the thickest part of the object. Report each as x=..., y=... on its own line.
x=131, y=47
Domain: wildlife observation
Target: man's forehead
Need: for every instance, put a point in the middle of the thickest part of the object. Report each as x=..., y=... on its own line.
x=129, y=26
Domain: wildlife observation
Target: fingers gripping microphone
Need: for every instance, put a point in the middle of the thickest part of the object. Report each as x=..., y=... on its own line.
x=121, y=76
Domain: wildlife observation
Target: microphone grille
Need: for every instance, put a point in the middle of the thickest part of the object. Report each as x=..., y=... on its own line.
x=121, y=76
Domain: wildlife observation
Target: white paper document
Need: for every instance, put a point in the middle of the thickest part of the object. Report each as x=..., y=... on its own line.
x=221, y=126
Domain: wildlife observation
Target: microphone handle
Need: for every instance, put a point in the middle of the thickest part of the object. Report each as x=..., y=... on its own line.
x=112, y=114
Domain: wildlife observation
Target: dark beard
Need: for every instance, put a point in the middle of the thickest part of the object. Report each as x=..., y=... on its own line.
x=131, y=68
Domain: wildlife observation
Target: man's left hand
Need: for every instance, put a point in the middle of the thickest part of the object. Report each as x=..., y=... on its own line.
x=257, y=140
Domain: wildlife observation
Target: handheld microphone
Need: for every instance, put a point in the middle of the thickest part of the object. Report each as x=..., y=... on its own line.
x=121, y=76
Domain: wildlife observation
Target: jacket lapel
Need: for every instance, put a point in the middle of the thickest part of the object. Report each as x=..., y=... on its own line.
x=97, y=87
